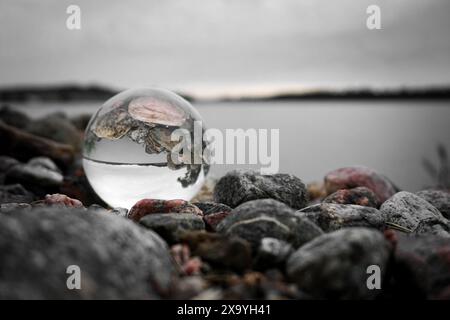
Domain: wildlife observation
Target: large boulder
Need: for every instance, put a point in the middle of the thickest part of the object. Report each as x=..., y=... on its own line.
x=117, y=258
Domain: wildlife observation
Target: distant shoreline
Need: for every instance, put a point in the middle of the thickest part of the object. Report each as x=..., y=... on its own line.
x=75, y=93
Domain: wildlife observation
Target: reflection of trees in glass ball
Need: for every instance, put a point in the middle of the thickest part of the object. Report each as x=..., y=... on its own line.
x=128, y=148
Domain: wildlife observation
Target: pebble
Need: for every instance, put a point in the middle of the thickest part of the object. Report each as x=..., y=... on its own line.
x=23, y=146
x=11, y=207
x=330, y=216
x=359, y=176
x=7, y=163
x=422, y=267
x=36, y=175
x=334, y=265
x=15, y=193
x=361, y=196
x=151, y=206
x=412, y=212
x=13, y=117
x=63, y=200
x=171, y=226
x=258, y=219
x=238, y=187
x=57, y=128
x=212, y=207
x=117, y=258
x=272, y=253
x=212, y=220
x=221, y=251
x=439, y=199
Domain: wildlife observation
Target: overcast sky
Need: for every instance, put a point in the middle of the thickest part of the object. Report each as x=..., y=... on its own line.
x=215, y=45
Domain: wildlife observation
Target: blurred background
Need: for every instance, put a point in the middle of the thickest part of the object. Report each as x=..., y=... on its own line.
x=340, y=94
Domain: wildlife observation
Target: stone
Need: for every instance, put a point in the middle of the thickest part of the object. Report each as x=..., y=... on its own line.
x=358, y=176
x=258, y=219
x=187, y=264
x=238, y=187
x=15, y=193
x=171, y=226
x=63, y=200
x=212, y=207
x=189, y=287
x=421, y=267
x=272, y=253
x=24, y=146
x=334, y=265
x=439, y=199
x=212, y=220
x=57, y=128
x=44, y=162
x=35, y=176
x=120, y=212
x=330, y=216
x=117, y=258
x=9, y=207
x=150, y=206
x=361, y=196
x=7, y=163
x=220, y=251
x=13, y=117
x=413, y=213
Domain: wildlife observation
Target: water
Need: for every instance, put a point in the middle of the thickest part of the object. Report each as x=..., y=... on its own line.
x=315, y=137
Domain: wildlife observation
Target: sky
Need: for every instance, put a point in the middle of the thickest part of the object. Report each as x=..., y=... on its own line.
x=226, y=47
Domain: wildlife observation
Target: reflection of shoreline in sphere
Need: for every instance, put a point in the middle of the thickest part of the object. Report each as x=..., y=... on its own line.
x=128, y=145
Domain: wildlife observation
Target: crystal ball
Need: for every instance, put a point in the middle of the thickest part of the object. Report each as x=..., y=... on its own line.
x=145, y=143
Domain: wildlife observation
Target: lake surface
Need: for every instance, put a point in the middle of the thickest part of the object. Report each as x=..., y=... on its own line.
x=315, y=137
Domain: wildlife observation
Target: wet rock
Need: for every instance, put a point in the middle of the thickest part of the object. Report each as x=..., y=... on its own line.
x=171, y=226
x=212, y=207
x=272, y=253
x=415, y=214
x=439, y=199
x=352, y=177
x=63, y=200
x=316, y=191
x=150, y=206
x=24, y=146
x=361, y=196
x=15, y=193
x=220, y=251
x=334, y=265
x=212, y=220
x=44, y=162
x=330, y=217
x=258, y=219
x=422, y=267
x=36, y=176
x=57, y=128
x=238, y=187
x=9, y=207
x=13, y=117
x=117, y=259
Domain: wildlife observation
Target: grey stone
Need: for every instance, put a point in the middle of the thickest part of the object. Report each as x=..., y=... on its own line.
x=8, y=207
x=439, y=199
x=415, y=214
x=331, y=217
x=272, y=253
x=117, y=258
x=258, y=219
x=237, y=187
x=15, y=193
x=212, y=207
x=37, y=173
x=335, y=264
x=171, y=226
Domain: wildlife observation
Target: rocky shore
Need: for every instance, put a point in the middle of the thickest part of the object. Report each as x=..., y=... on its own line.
x=245, y=236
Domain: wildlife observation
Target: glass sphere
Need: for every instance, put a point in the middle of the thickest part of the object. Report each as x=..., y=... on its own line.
x=133, y=150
